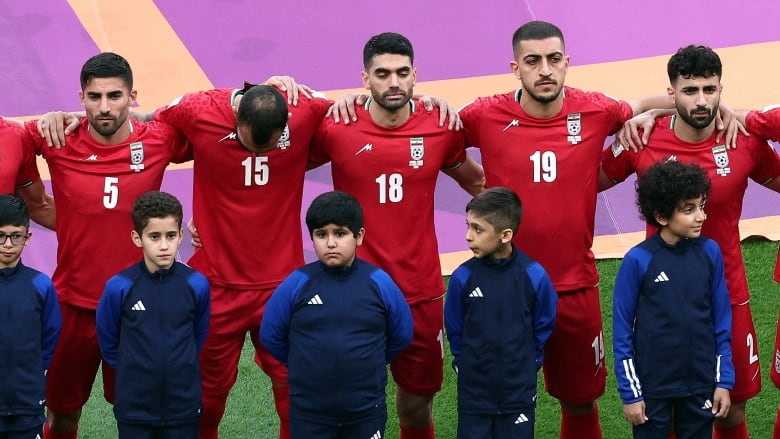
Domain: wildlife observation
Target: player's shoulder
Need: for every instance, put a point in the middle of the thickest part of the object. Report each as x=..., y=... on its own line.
x=589, y=97
x=493, y=100
x=313, y=108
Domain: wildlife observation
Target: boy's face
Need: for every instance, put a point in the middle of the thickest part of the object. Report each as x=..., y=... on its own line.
x=336, y=245
x=483, y=239
x=686, y=221
x=13, y=238
x=160, y=240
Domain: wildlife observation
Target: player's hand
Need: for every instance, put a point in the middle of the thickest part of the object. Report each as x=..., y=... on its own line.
x=344, y=107
x=293, y=89
x=195, y=240
x=721, y=403
x=55, y=125
x=728, y=126
x=635, y=413
x=446, y=111
x=629, y=135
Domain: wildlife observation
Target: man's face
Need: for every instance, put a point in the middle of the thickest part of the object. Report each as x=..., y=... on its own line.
x=541, y=67
x=107, y=104
x=697, y=99
x=390, y=78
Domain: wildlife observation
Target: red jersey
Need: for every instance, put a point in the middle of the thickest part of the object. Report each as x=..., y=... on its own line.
x=392, y=172
x=728, y=170
x=95, y=186
x=17, y=159
x=246, y=207
x=553, y=165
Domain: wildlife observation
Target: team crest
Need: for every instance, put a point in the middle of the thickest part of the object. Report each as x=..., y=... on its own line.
x=721, y=160
x=417, y=150
x=137, y=156
x=574, y=125
x=284, y=139
x=777, y=361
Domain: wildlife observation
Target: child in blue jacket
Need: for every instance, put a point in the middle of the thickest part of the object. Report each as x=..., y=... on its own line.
x=671, y=313
x=336, y=323
x=499, y=312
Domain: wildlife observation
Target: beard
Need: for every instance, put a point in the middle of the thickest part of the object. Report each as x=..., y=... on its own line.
x=107, y=130
x=698, y=123
x=394, y=104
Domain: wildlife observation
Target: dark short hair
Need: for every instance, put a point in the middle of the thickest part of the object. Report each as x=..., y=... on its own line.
x=536, y=30
x=155, y=204
x=265, y=110
x=13, y=211
x=499, y=206
x=694, y=61
x=388, y=42
x=665, y=184
x=335, y=207
x=107, y=65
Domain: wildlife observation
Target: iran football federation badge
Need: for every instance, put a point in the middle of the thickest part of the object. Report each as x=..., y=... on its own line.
x=284, y=139
x=777, y=360
x=574, y=125
x=721, y=160
x=417, y=150
x=137, y=156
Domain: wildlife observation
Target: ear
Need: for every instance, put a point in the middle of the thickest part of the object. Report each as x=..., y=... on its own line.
x=133, y=96
x=360, y=235
x=660, y=219
x=364, y=77
x=670, y=93
x=414, y=76
x=136, y=238
x=514, y=66
x=506, y=236
x=29, y=235
x=81, y=97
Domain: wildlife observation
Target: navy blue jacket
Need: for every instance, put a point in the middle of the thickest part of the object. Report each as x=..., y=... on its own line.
x=151, y=327
x=30, y=324
x=498, y=314
x=672, y=321
x=336, y=330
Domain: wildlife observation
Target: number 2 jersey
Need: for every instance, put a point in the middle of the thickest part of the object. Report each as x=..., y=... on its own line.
x=728, y=170
x=246, y=207
x=553, y=166
x=95, y=186
x=393, y=172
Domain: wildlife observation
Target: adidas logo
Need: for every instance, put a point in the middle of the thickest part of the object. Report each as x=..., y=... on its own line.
x=377, y=435
x=476, y=293
x=139, y=306
x=707, y=405
x=315, y=300
x=520, y=419
x=662, y=277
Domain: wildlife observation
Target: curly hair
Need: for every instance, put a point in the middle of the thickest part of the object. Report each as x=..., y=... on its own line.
x=155, y=205
x=665, y=184
x=692, y=62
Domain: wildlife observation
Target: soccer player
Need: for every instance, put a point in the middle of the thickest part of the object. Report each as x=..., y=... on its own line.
x=109, y=162
x=672, y=319
x=694, y=75
x=389, y=159
x=544, y=142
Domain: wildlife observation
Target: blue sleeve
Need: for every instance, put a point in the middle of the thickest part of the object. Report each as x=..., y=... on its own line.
x=275, y=326
x=454, y=312
x=628, y=284
x=721, y=316
x=51, y=320
x=200, y=285
x=544, y=309
x=109, y=317
x=400, y=328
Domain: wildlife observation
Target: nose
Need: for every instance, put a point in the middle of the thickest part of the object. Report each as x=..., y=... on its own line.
x=394, y=82
x=545, y=68
x=331, y=241
x=700, y=215
x=469, y=235
x=104, y=105
x=700, y=101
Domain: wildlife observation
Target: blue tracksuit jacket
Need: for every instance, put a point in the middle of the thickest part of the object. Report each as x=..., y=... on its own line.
x=336, y=330
x=498, y=315
x=151, y=327
x=672, y=321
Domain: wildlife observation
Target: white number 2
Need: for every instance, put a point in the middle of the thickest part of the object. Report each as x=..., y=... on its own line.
x=751, y=344
x=111, y=192
x=256, y=173
x=545, y=166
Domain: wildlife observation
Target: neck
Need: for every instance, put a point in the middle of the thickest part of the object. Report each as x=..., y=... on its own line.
x=389, y=118
x=685, y=132
x=121, y=135
x=541, y=110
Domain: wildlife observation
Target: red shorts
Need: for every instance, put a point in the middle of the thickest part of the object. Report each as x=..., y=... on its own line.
x=574, y=369
x=419, y=369
x=75, y=363
x=774, y=372
x=744, y=354
x=233, y=314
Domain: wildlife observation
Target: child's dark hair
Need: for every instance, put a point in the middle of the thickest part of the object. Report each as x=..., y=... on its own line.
x=335, y=207
x=155, y=205
x=13, y=211
x=665, y=184
x=498, y=206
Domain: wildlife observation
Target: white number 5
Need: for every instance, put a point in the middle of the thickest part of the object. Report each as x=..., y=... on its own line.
x=111, y=191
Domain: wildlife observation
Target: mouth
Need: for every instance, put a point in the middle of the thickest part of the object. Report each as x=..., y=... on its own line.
x=546, y=82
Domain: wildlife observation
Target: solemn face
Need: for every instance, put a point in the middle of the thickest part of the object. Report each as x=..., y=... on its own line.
x=697, y=99
x=484, y=240
x=160, y=240
x=390, y=78
x=107, y=104
x=336, y=245
x=541, y=67
x=685, y=223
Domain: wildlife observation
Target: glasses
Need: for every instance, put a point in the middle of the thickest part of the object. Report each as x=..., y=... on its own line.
x=17, y=239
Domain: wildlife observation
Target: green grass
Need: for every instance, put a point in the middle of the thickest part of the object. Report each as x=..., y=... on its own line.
x=250, y=412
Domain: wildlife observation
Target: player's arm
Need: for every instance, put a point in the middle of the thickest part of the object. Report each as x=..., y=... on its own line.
x=39, y=203
x=51, y=319
x=398, y=317
x=275, y=326
x=454, y=313
x=109, y=319
x=617, y=164
x=544, y=309
x=201, y=322
x=624, y=303
x=469, y=175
